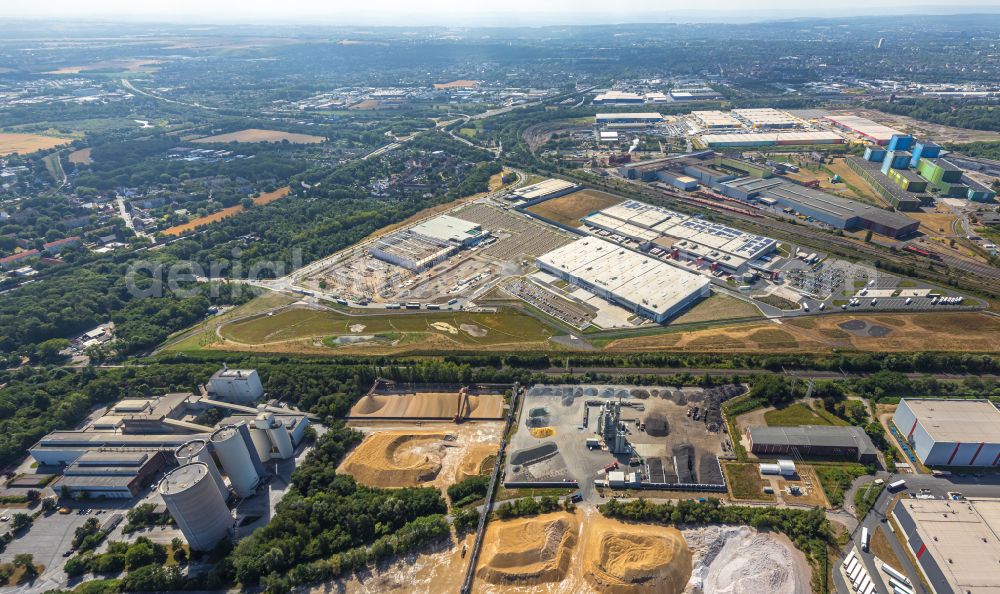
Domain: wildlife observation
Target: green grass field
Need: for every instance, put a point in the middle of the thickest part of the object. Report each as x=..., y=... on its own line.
x=800, y=414
x=837, y=478
x=745, y=482
x=480, y=328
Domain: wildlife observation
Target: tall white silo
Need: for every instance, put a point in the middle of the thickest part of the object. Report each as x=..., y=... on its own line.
x=280, y=440
x=196, y=505
x=237, y=463
x=197, y=450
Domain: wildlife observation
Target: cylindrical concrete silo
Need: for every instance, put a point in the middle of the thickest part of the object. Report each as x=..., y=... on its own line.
x=196, y=505
x=278, y=435
x=261, y=442
x=197, y=450
x=281, y=439
x=236, y=461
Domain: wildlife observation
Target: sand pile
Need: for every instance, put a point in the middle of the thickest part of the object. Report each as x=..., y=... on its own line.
x=620, y=558
x=541, y=432
x=528, y=551
x=740, y=560
x=444, y=327
x=428, y=405
x=396, y=459
x=473, y=460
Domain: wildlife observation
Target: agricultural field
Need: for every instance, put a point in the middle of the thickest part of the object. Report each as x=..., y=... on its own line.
x=324, y=330
x=252, y=135
x=569, y=209
x=265, y=198
x=140, y=65
x=22, y=144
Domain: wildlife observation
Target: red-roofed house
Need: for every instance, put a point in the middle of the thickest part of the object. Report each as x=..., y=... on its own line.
x=54, y=247
x=18, y=259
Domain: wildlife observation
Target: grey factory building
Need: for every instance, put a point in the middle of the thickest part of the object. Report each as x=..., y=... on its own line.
x=813, y=440
x=835, y=211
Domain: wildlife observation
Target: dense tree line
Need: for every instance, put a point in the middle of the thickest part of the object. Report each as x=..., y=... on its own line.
x=328, y=524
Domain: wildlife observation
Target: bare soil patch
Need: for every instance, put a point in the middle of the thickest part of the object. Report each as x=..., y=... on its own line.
x=457, y=84
x=23, y=144
x=252, y=135
x=569, y=209
x=81, y=157
x=215, y=217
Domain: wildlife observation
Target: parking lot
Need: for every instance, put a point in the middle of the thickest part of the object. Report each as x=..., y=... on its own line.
x=51, y=536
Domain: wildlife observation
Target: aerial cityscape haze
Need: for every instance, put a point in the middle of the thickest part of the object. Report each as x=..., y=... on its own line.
x=467, y=298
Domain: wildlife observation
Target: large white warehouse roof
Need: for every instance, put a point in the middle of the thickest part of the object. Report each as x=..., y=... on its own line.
x=448, y=229
x=965, y=421
x=629, y=275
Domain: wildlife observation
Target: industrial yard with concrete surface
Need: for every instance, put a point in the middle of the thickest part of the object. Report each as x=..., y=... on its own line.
x=617, y=437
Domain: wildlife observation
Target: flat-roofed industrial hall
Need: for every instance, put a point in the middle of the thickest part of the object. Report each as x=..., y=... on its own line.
x=950, y=432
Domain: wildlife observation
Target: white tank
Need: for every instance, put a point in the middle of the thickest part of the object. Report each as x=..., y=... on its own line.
x=281, y=439
x=196, y=505
x=261, y=442
x=236, y=461
x=197, y=450
x=278, y=437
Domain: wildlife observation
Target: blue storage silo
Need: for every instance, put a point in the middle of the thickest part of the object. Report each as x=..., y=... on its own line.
x=900, y=142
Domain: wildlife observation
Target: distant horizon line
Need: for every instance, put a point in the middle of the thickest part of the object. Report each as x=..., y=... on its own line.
x=589, y=19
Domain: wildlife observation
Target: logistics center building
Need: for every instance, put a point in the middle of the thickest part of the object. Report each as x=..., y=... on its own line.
x=428, y=243
x=950, y=432
x=643, y=285
x=671, y=235
x=955, y=542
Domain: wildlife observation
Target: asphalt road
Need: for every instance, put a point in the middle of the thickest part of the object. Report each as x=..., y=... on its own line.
x=968, y=484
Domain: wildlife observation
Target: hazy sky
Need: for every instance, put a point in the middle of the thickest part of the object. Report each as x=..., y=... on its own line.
x=459, y=12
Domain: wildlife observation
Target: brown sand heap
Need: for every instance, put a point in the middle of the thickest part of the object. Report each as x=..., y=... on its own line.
x=396, y=459
x=528, y=551
x=620, y=558
x=473, y=461
x=428, y=405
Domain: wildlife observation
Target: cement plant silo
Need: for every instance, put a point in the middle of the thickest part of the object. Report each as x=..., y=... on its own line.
x=237, y=457
x=197, y=450
x=196, y=505
x=278, y=434
x=261, y=442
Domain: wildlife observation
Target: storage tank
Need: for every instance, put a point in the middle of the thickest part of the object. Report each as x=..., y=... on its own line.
x=261, y=442
x=197, y=450
x=196, y=505
x=278, y=435
x=236, y=460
